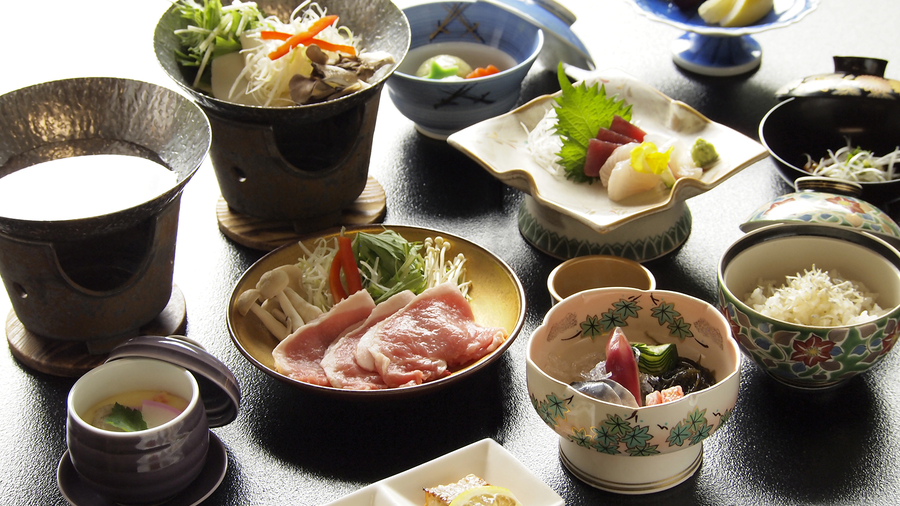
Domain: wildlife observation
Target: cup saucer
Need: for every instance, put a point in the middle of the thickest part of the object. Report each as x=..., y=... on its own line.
x=77, y=493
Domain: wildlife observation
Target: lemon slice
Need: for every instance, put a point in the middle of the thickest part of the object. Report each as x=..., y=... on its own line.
x=712, y=11
x=747, y=12
x=487, y=495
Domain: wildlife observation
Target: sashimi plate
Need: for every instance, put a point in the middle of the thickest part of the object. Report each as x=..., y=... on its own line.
x=497, y=300
x=500, y=145
x=485, y=459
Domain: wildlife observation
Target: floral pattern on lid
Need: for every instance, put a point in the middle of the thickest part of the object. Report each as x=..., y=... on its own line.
x=825, y=209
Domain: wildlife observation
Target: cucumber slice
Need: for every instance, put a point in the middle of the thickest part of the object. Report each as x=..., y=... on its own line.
x=656, y=359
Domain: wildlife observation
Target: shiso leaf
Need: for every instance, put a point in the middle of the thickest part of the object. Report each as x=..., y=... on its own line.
x=126, y=419
x=581, y=112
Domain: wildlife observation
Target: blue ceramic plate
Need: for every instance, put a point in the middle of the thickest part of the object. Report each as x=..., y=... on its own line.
x=717, y=50
x=786, y=12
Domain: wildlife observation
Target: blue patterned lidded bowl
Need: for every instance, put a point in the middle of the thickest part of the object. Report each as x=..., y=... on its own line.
x=440, y=107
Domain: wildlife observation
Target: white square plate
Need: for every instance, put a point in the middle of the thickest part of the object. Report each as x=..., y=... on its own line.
x=485, y=458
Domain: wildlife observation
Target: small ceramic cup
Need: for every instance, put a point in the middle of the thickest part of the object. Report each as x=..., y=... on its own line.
x=140, y=467
x=597, y=271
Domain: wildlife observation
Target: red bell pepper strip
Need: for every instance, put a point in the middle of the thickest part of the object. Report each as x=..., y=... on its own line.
x=621, y=365
x=328, y=46
x=303, y=37
x=348, y=264
x=334, y=279
x=272, y=35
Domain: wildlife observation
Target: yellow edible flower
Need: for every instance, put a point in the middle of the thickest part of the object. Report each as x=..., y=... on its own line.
x=646, y=158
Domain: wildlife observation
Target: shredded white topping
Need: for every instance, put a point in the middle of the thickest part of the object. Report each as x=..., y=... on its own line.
x=816, y=298
x=544, y=144
x=270, y=78
x=316, y=265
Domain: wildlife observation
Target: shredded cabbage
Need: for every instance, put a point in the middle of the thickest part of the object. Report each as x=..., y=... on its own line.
x=269, y=78
x=315, y=266
x=816, y=298
x=388, y=264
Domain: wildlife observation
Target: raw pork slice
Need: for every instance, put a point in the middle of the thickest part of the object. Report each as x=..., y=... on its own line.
x=339, y=361
x=434, y=332
x=299, y=354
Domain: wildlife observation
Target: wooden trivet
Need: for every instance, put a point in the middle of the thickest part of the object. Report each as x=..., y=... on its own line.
x=266, y=235
x=71, y=358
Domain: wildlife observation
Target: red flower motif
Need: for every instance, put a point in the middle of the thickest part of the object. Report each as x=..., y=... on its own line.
x=779, y=202
x=888, y=341
x=814, y=350
x=851, y=205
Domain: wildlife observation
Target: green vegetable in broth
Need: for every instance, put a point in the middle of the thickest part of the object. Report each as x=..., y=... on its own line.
x=126, y=419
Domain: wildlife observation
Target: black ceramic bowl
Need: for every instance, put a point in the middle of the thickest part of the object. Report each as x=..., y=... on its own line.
x=812, y=125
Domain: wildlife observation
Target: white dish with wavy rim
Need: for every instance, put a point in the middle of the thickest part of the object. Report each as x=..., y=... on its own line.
x=485, y=458
x=500, y=145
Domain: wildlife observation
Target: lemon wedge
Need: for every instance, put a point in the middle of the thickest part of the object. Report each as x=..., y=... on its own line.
x=486, y=496
x=712, y=11
x=747, y=12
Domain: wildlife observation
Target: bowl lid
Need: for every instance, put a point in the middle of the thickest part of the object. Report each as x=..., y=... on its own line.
x=837, y=208
x=853, y=76
x=219, y=388
x=556, y=21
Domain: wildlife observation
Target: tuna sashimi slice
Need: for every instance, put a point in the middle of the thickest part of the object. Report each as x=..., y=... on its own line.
x=434, y=332
x=300, y=354
x=339, y=361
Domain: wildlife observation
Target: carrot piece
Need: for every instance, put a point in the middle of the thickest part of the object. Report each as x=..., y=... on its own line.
x=271, y=35
x=348, y=264
x=334, y=279
x=483, y=72
x=328, y=46
x=303, y=37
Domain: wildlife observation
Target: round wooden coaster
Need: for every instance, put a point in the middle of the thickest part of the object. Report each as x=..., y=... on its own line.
x=266, y=235
x=72, y=358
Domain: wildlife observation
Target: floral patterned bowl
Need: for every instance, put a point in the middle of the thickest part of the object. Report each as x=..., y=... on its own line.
x=804, y=356
x=618, y=448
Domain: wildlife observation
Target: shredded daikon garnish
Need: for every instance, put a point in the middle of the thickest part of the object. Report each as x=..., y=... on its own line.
x=270, y=78
x=851, y=163
x=816, y=298
x=544, y=144
x=315, y=266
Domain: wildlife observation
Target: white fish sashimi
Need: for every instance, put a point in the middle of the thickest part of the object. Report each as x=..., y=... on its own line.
x=624, y=181
x=680, y=161
x=620, y=154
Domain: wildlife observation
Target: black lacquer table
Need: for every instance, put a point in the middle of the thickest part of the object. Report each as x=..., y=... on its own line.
x=781, y=446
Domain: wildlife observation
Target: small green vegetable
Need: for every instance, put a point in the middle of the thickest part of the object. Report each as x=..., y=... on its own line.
x=389, y=264
x=436, y=71
x=703, y=153
x=126, y=419
x=656, y=359
x=581, y=112
x=212, y=30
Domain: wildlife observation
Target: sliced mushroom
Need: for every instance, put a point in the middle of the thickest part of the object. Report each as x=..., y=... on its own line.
x=271, y=285
x=246, y=303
